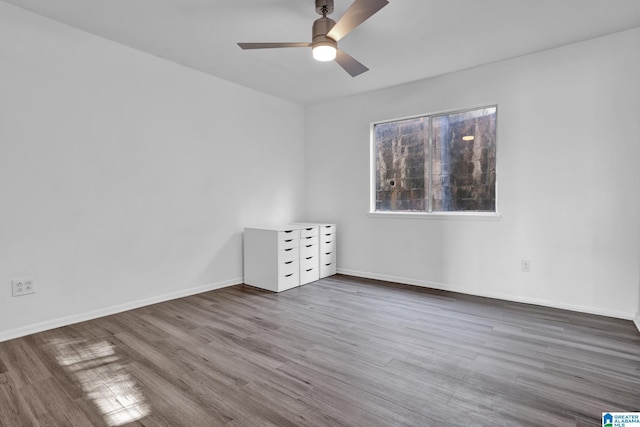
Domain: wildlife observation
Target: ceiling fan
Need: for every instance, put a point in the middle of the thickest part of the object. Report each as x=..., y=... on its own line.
x=326, y=33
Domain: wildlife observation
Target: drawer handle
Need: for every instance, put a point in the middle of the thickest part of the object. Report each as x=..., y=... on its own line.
x=288, y=231
x=327, y=226
x=309, y=257
x=328, y=234
x=287, y=250
x=290, y=240
x=310, y=237
x=310, y=269
x=288, y=262
x=327, y=253
x=288, y=275
x=328, y=241
x=327, y=265
x=309, y=229
x=308, y=246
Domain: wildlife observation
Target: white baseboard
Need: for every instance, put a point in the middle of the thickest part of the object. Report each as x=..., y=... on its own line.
x=106, y=311
x=636, y=321
x=495, y=295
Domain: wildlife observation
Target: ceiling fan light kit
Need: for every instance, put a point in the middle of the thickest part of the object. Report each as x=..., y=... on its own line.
x=324, y=51
x=326, y=33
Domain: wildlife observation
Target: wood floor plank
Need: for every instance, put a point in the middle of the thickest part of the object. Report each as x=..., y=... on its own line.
x=342, y=351
x=22, y=364
x=14, y=411
x=51, y=407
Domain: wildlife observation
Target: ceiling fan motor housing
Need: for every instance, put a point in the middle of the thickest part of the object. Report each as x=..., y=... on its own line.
x=320, y=29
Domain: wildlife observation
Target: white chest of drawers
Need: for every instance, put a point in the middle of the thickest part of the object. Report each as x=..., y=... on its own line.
x=272, y=257
x=283, y=257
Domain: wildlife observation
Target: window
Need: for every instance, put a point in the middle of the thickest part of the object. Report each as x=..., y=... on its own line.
x=436, y=163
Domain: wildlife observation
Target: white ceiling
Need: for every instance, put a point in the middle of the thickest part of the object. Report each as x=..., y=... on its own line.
x=407, y=40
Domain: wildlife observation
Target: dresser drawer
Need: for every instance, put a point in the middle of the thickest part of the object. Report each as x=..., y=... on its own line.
x=331, y=228
x=288, y=254
x=293, y=233
x=309, y=275
x=288, y=267
x=327, y=235
x=310, y=240
x=288, y=242
x=328, y=256
x=308, y=262
x=308, y=250
x=327, y=269
x=327, y=245
x=308, y=232
x=288, y=281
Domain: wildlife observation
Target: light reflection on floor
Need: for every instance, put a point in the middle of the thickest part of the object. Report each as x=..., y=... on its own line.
x=97, y=368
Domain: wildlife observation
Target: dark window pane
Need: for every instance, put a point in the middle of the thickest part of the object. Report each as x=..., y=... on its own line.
x=401, y=152
x=464, y=161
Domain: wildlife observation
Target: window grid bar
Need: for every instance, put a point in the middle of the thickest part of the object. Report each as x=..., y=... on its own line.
x=430, y=178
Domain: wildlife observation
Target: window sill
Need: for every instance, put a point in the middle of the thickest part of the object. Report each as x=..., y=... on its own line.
x=455, y=216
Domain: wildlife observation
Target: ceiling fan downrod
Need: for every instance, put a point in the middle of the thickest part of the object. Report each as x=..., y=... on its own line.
x=324, y=7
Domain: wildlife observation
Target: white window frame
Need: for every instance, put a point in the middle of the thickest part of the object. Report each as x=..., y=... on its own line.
x=451, y=215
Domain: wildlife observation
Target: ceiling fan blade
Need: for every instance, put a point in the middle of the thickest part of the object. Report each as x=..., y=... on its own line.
x=358, y=12
x=271, y=45
x=349, y=64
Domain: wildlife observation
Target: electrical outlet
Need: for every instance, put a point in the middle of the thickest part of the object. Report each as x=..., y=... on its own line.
x=23, y=286
x=526, y=266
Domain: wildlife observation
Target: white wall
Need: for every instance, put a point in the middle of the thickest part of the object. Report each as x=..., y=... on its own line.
x=568, y=181
x=637, y=319
x=126, y=179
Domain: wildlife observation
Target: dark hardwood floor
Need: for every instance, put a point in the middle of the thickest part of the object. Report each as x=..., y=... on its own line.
x=340, y=351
